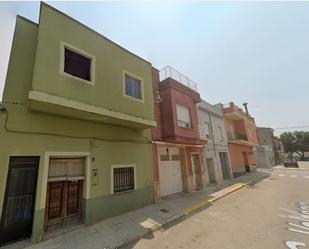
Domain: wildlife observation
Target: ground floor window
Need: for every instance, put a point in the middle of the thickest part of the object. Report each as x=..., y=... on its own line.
x=123, y=179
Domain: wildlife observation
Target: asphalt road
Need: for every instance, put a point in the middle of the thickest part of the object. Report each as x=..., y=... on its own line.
x=265, y=216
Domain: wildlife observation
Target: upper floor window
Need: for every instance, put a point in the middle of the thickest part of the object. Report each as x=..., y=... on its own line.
x=207, y=130
x=133, y=87
x=221, y=133
x=183, y=117
x=76, y=63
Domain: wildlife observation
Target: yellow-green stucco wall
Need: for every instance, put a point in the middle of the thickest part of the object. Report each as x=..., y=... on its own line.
x=24, y=132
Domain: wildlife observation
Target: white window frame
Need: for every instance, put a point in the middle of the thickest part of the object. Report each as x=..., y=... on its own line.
x=207, y=130
x=124, y=73
x=190, y=121
x=221, y=133
x=112, y=177
x=44, y=173
x=64, y=45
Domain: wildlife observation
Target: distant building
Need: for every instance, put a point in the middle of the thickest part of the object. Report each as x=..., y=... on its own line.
x=264, y=153
x=241, y=134
x=216, y=151
x=278, y=150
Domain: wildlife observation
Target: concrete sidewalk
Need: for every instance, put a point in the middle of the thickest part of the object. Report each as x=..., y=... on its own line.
x=125, y=228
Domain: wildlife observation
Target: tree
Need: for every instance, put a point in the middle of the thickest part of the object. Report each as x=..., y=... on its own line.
x=297, y=141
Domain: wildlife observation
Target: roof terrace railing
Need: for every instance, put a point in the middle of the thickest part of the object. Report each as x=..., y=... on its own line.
x=169, y=72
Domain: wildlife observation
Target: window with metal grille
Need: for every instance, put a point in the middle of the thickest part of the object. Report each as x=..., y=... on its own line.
x=221, y=133
x=133, y=87
x=77, y=65
x=123, y=179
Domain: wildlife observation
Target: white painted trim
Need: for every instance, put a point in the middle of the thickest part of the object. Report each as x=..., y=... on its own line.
x=124, y=73
x=122, y=166
x=64, y=45
x=47, y=156
x=57, y=100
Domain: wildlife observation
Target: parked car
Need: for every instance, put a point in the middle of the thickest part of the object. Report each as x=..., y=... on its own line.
x=290, y=163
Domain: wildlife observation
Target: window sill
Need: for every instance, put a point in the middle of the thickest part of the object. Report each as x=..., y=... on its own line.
x=89, y=82
x=187, y=128
x=123, y=192
x=135, y=99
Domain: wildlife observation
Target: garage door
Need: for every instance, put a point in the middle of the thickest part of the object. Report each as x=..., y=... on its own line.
x=169, y=171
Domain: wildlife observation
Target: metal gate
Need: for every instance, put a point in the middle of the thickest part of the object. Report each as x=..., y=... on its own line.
x=18, y=206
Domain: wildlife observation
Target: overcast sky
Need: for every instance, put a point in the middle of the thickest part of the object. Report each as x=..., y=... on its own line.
x=255, y=52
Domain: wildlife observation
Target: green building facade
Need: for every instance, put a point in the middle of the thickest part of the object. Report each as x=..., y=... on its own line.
x=82, y=139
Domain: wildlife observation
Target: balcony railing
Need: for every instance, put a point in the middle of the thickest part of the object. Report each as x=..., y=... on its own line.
x=169, y=72
x=237, y=136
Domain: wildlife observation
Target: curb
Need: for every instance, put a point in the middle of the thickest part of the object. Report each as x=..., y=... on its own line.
x=189, y=211
x=257, y=180
x=197, y=206
x=186, y=212
x=230, y=190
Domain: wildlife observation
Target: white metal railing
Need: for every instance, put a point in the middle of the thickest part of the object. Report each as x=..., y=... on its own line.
x=169, y=72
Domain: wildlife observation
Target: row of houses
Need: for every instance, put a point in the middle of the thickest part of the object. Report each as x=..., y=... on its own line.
x=90, y=130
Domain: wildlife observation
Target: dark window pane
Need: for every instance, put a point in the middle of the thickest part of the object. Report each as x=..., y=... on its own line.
x=133, y=87
x=128, y=88
x=77, y=65
x=136, y=89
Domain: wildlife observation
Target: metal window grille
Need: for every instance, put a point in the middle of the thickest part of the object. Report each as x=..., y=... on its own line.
x=123, y=179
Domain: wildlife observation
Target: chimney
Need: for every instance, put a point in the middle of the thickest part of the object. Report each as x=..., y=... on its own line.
x=246, y=108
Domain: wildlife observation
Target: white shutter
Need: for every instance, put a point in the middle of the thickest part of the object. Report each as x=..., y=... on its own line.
x=66, y=168
x=207, y=129
x=183, y=115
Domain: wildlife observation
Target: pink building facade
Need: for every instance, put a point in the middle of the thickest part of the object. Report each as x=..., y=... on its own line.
x=177, y=148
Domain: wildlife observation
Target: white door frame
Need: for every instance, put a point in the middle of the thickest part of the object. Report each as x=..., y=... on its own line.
x=47, y=156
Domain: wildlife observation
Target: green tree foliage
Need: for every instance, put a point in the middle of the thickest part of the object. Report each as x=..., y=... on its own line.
x=297, y=141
